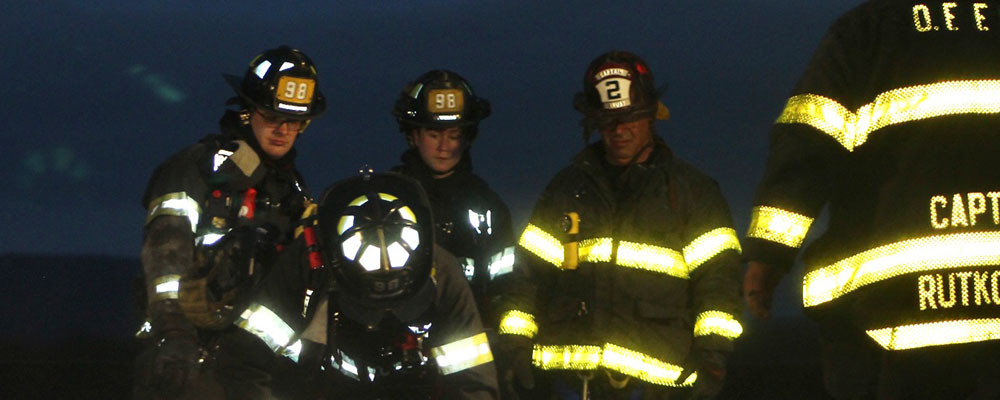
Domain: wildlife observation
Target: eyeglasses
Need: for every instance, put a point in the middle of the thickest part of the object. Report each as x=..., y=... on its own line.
x=272, y=120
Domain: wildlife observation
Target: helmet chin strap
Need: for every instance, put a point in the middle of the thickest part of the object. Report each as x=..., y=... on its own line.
x=635, y=158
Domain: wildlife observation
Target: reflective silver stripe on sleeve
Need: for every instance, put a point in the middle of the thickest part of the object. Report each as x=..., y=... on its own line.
x=502, y=262
x=462, y=354
x=271, y=329
x=166, y=287
x=177, y=204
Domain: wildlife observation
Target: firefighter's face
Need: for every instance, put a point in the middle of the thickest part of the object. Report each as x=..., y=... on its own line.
x=440, y=149
x=625, y=141
x=275, y=134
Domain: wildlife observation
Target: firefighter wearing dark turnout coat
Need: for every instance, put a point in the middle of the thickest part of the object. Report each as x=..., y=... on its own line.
x=629, y=263
x=368, y=307
x=215, y=211
x=439, y=113
x=893, y=127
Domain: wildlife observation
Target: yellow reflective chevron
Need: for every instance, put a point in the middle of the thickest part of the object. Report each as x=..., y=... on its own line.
x=931, y=253
x=635, y=255
x=777, y=225
x=177, y=204
x=652, y=258
x=516, y=322
x=462, y=354
x=612, y=357
x=717, y=323
x=937, y=333
x=913, y=103
x=710, y=244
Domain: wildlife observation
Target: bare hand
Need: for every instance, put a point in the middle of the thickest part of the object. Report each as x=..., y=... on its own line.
x=758, y=288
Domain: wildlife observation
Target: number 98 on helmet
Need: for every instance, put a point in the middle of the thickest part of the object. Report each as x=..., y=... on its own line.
x=282, y=81
x=377, y=233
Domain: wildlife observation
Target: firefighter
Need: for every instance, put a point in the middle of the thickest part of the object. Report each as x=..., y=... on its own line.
x=893, y=129
x=628, y=270
x=439, y=115
x=368, y=306
x=218, y=209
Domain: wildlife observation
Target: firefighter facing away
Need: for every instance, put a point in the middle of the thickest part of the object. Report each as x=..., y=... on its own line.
x=368, y=306
x=628, y=271
x=439, y=114
x=893, y=128
x=218, y=209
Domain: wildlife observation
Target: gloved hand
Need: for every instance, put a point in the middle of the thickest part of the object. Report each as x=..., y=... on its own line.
x=514, y=368
x=711, y=368
x=758, y=288
x=175, y=365
x=174, y=362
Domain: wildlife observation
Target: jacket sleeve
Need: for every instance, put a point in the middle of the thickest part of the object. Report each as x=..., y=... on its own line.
x=458, y=341
x=539, y=249
x=712, y=256
x=809, y=141
x=172, y=213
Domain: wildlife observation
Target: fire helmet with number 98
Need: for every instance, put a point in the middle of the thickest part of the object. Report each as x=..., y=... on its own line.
x=282, y=81
x=440, y=99
x=376, y=230
x=618, y=87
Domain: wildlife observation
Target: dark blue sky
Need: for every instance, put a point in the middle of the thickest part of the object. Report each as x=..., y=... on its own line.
x=96, y=95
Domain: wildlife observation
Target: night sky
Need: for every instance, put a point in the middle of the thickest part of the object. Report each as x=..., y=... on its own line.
x=96, y=94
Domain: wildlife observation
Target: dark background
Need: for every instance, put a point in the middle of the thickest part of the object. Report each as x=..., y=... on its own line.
x=96, y=94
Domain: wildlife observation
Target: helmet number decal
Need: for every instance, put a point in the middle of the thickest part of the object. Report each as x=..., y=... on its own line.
x=445, y=100
x=295, y=90
x=614, y=92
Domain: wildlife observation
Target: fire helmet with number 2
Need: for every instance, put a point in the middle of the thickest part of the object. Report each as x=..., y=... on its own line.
x=282, y=81
x=440, y=99
x=376, y=230
x=618, y=87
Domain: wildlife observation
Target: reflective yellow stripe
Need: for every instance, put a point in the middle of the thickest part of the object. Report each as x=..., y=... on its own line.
x=635, y=255
x=937, y=333
x=821, y=113
x=542, y=244
x=717, y=323
x=595, y=250
x=166, y=287
x=709, y=245
x=612, y=357
x=516, y=322
x=574, y=357
x=462, y=354
x=177, y=204
x=914, y=103
x=652, y=258
x=929, y=253
x=777, y=225
x=266, y=325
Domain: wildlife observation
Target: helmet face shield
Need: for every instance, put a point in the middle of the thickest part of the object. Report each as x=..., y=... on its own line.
x=281, y=81
x=377, y=229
